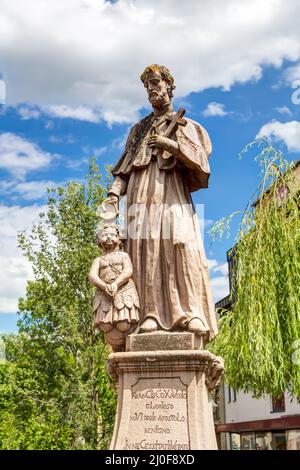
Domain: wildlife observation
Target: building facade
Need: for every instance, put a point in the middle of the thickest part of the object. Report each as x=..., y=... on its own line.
x=244, y=422
x=251, y=423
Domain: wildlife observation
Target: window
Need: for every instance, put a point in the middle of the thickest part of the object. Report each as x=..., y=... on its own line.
x=248, y=441
x=235, y=441
x=266, y=440
x=293, y=439
x=216, y=411
x=263, y=441
x=278, y=441
x=278, y=404
x=231, y=394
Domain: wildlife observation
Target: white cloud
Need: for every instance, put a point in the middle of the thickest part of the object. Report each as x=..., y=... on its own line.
x=119, y=142
x=15, y=269
x=94, y=151
x=288, y=132
x=219, y=284
x=66, y=139
x=284, y=110
x=292, y=74
x=81, y=113
x=28, y=190
x=222, y=268
x=214, y=267
x=2, y=92
x=212, y=263
x=215, y=109
x=28, y=112
x=87, y=55
x=19, y=156
x=77, y=164
x=49, y=125
x=219, y=287
x=98, y=151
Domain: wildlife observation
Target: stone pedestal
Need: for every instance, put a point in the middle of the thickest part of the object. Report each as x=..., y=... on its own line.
x=164, y=400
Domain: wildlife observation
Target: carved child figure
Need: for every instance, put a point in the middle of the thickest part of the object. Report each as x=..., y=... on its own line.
x=116, y=302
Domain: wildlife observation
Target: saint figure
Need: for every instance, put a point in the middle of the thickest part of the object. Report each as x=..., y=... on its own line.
x=166, y=159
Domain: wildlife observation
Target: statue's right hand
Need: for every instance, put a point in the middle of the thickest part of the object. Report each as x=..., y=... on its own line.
x=108, y=290
x=109, y=208
x=113, y=199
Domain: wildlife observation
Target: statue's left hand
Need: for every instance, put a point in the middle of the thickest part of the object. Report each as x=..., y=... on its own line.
x=112, y=289
x=163, y=143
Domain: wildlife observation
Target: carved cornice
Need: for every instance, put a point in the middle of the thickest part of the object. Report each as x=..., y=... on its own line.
x=168, y=361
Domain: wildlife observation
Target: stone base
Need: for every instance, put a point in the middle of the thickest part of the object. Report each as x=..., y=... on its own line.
x=164, y=400
x=163, y=341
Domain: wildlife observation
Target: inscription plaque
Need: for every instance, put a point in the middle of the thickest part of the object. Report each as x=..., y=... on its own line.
x=158, y=417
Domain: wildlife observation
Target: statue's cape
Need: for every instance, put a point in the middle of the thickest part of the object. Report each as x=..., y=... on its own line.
x=194, y=150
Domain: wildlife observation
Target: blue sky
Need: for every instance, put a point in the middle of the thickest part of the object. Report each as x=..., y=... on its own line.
x=85, y=101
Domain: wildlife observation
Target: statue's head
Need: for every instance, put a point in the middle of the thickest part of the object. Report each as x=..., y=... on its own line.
x=159, y=83
x=108, y=236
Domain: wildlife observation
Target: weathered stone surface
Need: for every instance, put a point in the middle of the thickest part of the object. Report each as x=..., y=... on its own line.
x=162, y=341
x=165, y=377
x=158, y=414
x=164, y=400
x=116, y=303
x=166, y=157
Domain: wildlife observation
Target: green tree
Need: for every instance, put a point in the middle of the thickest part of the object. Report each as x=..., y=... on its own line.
x=55, y=390
x=258, y=338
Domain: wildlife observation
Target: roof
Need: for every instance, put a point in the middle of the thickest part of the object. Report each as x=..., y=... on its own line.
x=296, y=163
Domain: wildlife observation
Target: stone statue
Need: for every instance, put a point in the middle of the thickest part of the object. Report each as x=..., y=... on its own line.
x=165, y=159
x=116, y=302
x=165, y=374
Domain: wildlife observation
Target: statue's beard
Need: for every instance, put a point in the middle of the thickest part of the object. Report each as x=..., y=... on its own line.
x=158, y=99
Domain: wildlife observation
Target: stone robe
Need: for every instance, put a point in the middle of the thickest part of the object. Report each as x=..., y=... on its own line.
x=163, y=240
